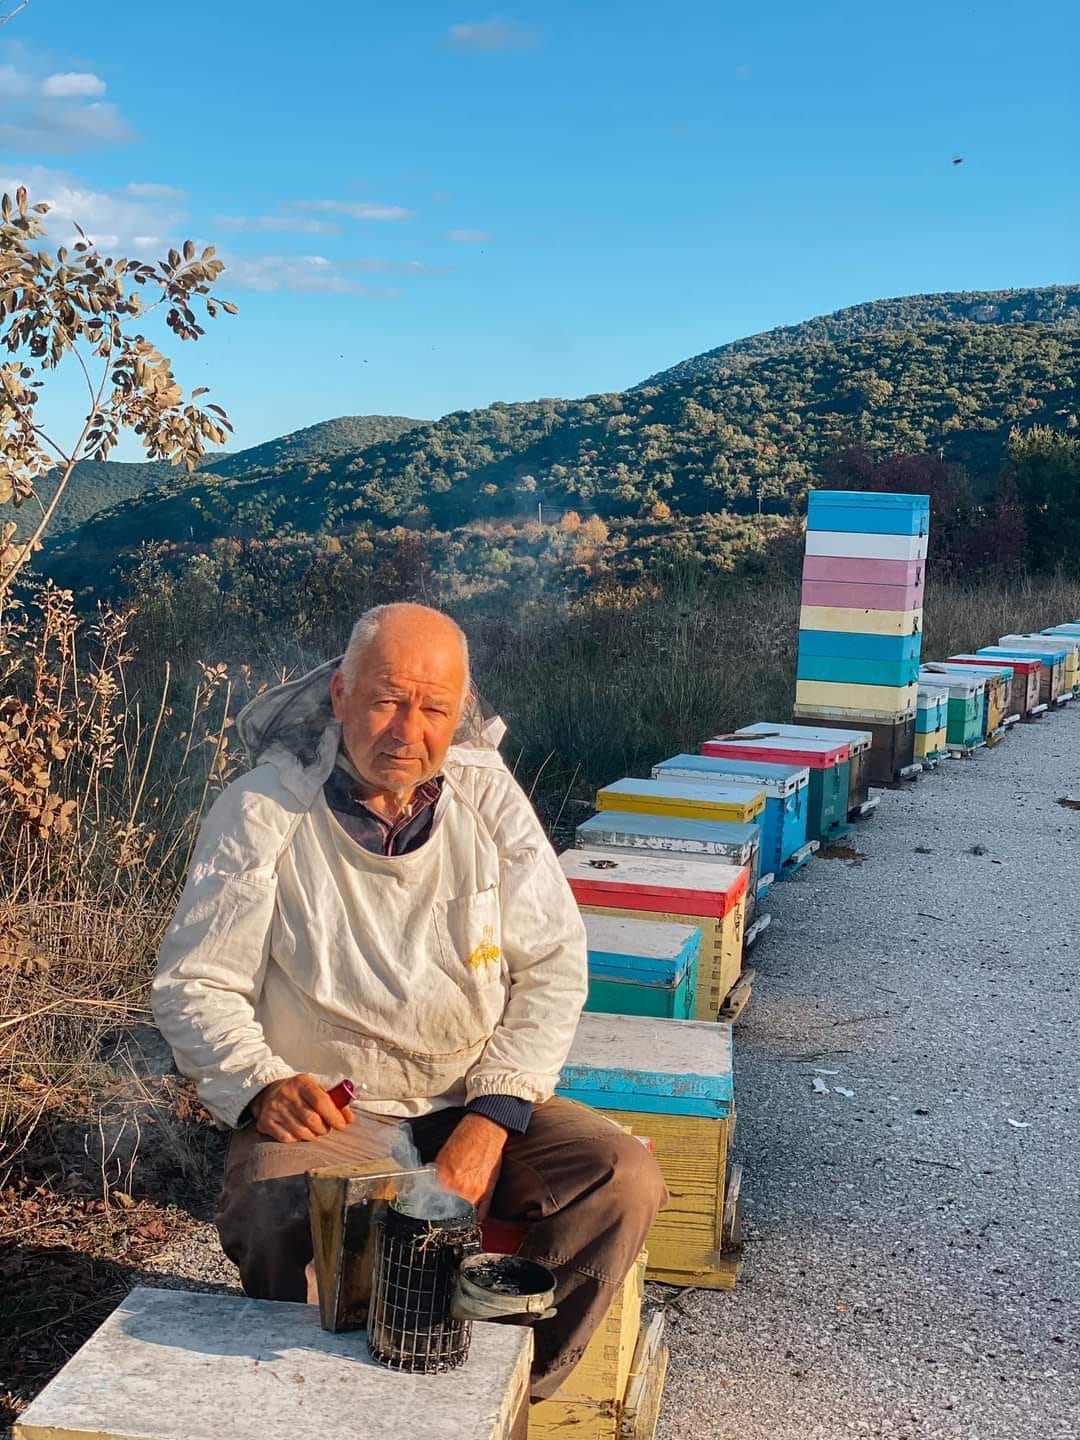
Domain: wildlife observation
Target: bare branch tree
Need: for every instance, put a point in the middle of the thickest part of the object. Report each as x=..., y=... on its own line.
x=12, y=13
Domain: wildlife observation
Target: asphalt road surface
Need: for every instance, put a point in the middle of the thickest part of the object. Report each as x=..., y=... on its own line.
x=913, y=1258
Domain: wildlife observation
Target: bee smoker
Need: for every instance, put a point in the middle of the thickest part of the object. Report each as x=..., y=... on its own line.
x=431, y=1280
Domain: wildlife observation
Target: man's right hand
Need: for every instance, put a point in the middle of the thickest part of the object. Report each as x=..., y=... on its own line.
x=297, y=1109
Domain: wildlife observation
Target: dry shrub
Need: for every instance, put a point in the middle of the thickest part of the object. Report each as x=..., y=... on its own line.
x=102, y=789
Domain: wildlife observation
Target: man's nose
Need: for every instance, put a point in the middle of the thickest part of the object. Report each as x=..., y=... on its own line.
x=409, y=725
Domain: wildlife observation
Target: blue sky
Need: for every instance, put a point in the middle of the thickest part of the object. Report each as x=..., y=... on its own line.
x=428, y=207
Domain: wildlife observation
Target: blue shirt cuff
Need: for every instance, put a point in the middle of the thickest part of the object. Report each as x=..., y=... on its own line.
x=506, y=1110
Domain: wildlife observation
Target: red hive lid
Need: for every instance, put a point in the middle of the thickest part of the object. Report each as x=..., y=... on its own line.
x=783, y=751
x=658, y=883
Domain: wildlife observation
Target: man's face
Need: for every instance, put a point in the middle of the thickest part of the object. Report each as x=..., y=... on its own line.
x=399, y=719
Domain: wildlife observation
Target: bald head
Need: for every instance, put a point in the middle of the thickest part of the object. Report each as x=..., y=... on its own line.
x=399, y=695
x=402, y=626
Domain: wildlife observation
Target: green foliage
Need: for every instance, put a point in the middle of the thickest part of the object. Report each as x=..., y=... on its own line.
x=100, y=484
x=1044, y=466
x=752, y=439
x=1054, y=305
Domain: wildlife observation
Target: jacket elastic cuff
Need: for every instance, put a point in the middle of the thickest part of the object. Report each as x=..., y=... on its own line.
x=508, y=1111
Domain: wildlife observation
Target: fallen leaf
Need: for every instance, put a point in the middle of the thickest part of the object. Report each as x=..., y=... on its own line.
x=820, y=1088
x=1019, y=1124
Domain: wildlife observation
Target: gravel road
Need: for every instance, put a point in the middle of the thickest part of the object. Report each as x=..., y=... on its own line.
x=913, y=1257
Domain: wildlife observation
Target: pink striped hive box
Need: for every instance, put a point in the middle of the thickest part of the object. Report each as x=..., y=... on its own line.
x=848, y=595
x=848, y=570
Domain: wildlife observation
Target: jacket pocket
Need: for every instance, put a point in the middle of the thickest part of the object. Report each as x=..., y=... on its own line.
x=470, y=938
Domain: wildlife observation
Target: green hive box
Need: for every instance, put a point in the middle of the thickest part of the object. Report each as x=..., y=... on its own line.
x=642, y=967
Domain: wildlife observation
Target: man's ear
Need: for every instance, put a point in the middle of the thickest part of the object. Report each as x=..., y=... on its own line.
x=337, y=693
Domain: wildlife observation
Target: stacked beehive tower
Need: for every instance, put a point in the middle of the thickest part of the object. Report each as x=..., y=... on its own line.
x=860, y=626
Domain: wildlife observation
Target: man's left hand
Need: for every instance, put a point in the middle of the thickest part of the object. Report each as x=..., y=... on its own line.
x=469, y=1162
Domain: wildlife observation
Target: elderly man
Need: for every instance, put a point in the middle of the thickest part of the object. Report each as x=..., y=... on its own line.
x=377, y=901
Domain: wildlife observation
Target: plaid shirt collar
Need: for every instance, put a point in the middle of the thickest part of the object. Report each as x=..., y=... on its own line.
x=344, y=795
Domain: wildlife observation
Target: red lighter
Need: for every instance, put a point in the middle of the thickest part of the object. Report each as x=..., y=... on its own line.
x=342, y=1093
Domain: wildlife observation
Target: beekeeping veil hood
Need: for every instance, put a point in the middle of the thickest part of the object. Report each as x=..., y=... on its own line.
x=295, y=722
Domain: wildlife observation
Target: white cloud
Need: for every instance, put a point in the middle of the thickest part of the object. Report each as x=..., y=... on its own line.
x=356, y=209
x=311, y=274
x=393, y=267
x=56, y=113
x=115, y=220
x=52, y=126
x=13, y=84
x=468, y=237
x=302, y=224
x=490, y=36
x=147, y=191
x=73, y=83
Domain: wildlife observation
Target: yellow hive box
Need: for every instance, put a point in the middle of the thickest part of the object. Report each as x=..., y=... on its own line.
x=736, y=804
x=720, y=960
x=930, y=743
x=889, y=701
x=588, y=1404
x=686, y=1239
x=861, y=622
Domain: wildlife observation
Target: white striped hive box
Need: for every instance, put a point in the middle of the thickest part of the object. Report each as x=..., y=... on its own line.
x=670, y=1080
x=856, y=545
x=588, y=1404
x=674, y=889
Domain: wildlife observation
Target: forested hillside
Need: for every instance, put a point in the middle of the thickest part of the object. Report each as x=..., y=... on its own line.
x=753, y=437
x=1055, y=305
x=99, y=485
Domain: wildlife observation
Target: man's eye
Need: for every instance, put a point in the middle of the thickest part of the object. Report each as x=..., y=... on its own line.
x=435, y=710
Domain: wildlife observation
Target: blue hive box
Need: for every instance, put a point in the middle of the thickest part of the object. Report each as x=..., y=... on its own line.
x=642, y=967
x=857, y=646
x=868, y=512
x=850, y=671
x=784, y=819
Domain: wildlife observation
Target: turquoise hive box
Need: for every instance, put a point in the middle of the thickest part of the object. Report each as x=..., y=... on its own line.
x=641, y=967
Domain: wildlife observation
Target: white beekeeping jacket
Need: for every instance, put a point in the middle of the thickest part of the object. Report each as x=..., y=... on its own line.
x=427, y=979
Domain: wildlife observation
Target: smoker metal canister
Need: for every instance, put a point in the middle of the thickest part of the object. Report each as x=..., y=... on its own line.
x=410, y=1325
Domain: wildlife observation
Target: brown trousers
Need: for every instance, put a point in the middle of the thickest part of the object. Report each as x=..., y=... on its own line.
x=587, y=1191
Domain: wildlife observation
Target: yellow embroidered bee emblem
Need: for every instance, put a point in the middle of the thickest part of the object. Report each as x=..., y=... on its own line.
x=487, y=952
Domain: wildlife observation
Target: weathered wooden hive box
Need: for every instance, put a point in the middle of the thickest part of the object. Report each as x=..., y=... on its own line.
x=642, y=967
x=1024, y=695
x=718, y=841
x=966, y=724
x=737, y=803
x=176, y=1365
x=828, y=764
x=1051, y=659
x=677, y=889
x=1068, y=632
x=1069, y=643
x=859, y=741
x=786, y=790
x=670, y=1080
